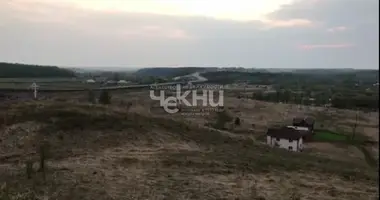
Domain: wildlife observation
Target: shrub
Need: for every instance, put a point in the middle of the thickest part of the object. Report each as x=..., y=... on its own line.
x=29, y=169
x=91, y=97
x=105, y=97
x=237, y=121
x=222, y=118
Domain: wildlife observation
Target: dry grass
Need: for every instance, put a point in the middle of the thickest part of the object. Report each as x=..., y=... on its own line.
x=336, y=151
x=109, y=152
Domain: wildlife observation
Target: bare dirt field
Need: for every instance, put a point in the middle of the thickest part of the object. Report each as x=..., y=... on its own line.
x=121, y=152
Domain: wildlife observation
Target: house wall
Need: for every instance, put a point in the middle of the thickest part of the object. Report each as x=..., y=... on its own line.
x=285, y=143
x=300, y=144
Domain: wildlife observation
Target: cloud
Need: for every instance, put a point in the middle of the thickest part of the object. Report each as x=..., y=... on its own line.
x=288, y=23
x=72, y=34
x=337, y=29
x=324, y=46
x=157, y=31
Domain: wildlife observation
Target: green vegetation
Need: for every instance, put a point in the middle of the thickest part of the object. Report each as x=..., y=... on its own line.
x=15, y=70
x=357, y=141
x=221, y=119
x=104, y=97
x=349, y=138
x=329, y=136
x=91, y=97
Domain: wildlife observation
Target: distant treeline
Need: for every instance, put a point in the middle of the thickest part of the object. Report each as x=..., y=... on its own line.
x=168, y=71
x=342, y=89
x=362, y=77
x=369, y=101
x=16, y=70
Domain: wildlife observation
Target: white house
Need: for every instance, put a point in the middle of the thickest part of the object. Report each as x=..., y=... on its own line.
x=90, y=81
x=287, y=138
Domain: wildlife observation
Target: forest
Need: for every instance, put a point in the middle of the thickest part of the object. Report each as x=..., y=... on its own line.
x=16, y=70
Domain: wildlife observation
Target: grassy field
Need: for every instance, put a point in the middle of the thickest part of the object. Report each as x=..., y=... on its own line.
x=121, y=152
x=49, y=85
x=330, y=136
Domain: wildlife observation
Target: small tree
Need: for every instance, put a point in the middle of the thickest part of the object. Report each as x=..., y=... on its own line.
x=43, y=154
x=354, y=126
x=29, y=168
x=222, y=118
x=237, y=121
x=91, y=97
x=129, y=105
x=105, y=97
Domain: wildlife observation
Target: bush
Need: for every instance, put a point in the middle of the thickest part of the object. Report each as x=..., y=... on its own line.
x=237, y=121
x=29, y=169
x=105, y=97
x=222, y=118
x=91, y=97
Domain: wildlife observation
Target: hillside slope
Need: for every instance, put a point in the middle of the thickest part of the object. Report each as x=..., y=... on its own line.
x=15, y=70
x=98, y=152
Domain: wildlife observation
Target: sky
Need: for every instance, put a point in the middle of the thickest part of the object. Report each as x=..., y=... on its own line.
x=201, y=33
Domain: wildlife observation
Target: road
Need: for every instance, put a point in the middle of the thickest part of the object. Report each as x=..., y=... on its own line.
x=195, y=75
x=198, y=77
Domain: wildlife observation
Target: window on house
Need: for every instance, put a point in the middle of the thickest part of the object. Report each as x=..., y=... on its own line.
x=278, y=139
x=290, y=148
x=290, y=140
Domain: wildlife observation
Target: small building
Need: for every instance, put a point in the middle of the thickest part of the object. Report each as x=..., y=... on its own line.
x=110, y=83
x=122, y=82
x=286, y=138
x=90, y=81
x=100, y=79
x=306, y=122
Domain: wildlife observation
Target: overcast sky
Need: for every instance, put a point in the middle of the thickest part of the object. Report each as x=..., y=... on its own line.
x=209, y=33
